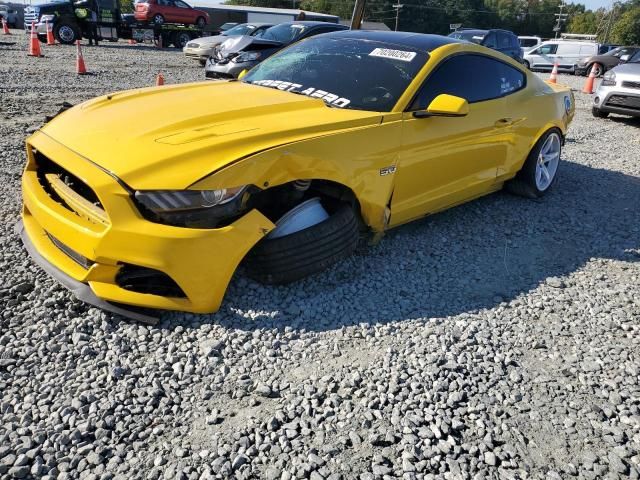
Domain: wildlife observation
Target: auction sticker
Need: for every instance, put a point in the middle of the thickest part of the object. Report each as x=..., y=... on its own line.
x=393, y=54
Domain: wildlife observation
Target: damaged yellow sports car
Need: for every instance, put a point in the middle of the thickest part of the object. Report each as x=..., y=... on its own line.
x=153, y=197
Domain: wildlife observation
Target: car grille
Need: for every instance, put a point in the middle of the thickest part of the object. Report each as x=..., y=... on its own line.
x=30, y=15
x=632, y=103
x=68, y=190
x=630, y=84
x=72, y=254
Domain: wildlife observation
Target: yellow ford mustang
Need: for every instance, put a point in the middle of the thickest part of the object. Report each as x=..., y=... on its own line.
x=153, y=197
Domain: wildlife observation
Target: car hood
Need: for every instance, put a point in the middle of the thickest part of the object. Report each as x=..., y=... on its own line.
x=169, y=137
x=628, y=69
x=210, y=41
x=237, y=44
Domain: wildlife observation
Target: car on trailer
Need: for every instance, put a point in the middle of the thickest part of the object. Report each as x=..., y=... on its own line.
x=169, y=11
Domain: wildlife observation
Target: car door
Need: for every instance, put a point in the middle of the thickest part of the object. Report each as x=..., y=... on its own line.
x=544, y=56
x=445, y=161
x=184, y=12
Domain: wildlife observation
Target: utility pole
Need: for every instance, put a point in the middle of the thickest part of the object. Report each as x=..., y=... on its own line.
x=358, y=14
x=612, y=14
x=397, y=6
x=560, y=19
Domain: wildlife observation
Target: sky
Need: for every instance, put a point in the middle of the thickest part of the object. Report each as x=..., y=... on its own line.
x=594, y=4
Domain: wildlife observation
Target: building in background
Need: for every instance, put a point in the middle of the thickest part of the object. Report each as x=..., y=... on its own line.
x=220, y=14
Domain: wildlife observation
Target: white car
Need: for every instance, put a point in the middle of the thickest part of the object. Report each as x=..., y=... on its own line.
x=202, y=48
x=528, y=43
x=566, y=53
x=619, y=91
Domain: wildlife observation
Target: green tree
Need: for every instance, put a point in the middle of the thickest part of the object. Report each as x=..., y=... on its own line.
x=626, y=30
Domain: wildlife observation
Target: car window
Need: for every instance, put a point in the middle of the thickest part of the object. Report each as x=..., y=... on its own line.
x=491, y=79
x=549, y=49
x=504, y=40
x=180, y=4
x=242, y=29
x=346, y=73
x=491, y=40
x=285, y=32
x=528, y=42
x=635, y=58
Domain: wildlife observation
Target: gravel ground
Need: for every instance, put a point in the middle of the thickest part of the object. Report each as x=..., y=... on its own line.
x=499, y=339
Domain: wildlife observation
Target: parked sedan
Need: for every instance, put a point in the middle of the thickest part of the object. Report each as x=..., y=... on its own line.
x=604, y=62
x=503, y=41
x=338, y=137
x=242, y=53
x=619, y=91
x=202, y=48
x=169, y=11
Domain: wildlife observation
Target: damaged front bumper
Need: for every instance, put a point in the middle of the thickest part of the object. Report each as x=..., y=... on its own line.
x=111, y=253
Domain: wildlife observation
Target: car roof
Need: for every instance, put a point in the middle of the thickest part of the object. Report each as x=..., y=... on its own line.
x=311, y=23
x=417, y=41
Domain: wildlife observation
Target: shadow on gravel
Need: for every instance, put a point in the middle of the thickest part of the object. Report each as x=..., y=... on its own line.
x=471, y=257
x=632, y=121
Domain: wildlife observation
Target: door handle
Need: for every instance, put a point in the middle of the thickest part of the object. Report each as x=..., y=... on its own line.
x=504, y=122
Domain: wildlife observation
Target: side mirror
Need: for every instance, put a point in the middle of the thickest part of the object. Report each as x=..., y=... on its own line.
x=444, y=106
x=242, y=74
x=625, y=58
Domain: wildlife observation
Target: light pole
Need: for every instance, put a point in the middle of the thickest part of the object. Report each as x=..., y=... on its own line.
x=397, y=6
x=358, y=13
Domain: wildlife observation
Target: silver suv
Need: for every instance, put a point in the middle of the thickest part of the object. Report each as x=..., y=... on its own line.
x=619, y=91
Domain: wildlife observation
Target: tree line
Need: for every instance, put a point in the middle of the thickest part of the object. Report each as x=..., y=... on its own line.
x=619, y=24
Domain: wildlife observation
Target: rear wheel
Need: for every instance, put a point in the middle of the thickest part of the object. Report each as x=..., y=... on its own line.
x=180, y=39
x=201, y=22
x=539, y=171
x=311, y=250
x=596, y=112
x=526, y=64
x=157, y=19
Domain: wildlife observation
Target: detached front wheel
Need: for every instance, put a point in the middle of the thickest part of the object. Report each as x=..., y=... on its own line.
x=291, y=257
x=540, y=169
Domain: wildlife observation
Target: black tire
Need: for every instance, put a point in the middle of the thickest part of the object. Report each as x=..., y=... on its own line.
x=596, y=112
x=599, y=69
x=526, y=64
x=524, y=184
x=202, y=62
x=312, y=250
x=157, y=19
x=201, y=22
x=66, y=33
x=180, y=39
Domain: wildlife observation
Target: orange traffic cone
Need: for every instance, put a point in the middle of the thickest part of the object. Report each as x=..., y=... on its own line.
x=50, y=39
x=5, y=27
x=588, y=85
x=81, y=69
x=34, y=43
x=554, y=73
x=159, y=79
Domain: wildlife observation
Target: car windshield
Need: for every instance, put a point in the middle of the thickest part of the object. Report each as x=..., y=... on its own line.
x=244, y=29
x=285, y=32
x=475, y=37
x=346, y=73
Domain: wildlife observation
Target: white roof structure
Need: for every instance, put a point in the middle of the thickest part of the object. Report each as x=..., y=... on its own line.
x=243, y=8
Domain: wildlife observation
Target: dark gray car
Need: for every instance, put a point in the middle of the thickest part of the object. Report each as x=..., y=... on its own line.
x=604, y=62
x=503, y=41
x=233, y=56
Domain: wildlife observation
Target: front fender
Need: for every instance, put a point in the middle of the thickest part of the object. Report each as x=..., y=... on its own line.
x=358, y=159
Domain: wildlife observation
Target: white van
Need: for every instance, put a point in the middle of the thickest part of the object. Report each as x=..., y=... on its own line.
x=566, y=53
x=528, y=43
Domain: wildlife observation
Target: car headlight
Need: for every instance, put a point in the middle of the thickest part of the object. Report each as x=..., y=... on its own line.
x=247, y=57
x=192, y=208
x=47, y=18
x=609, y=79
